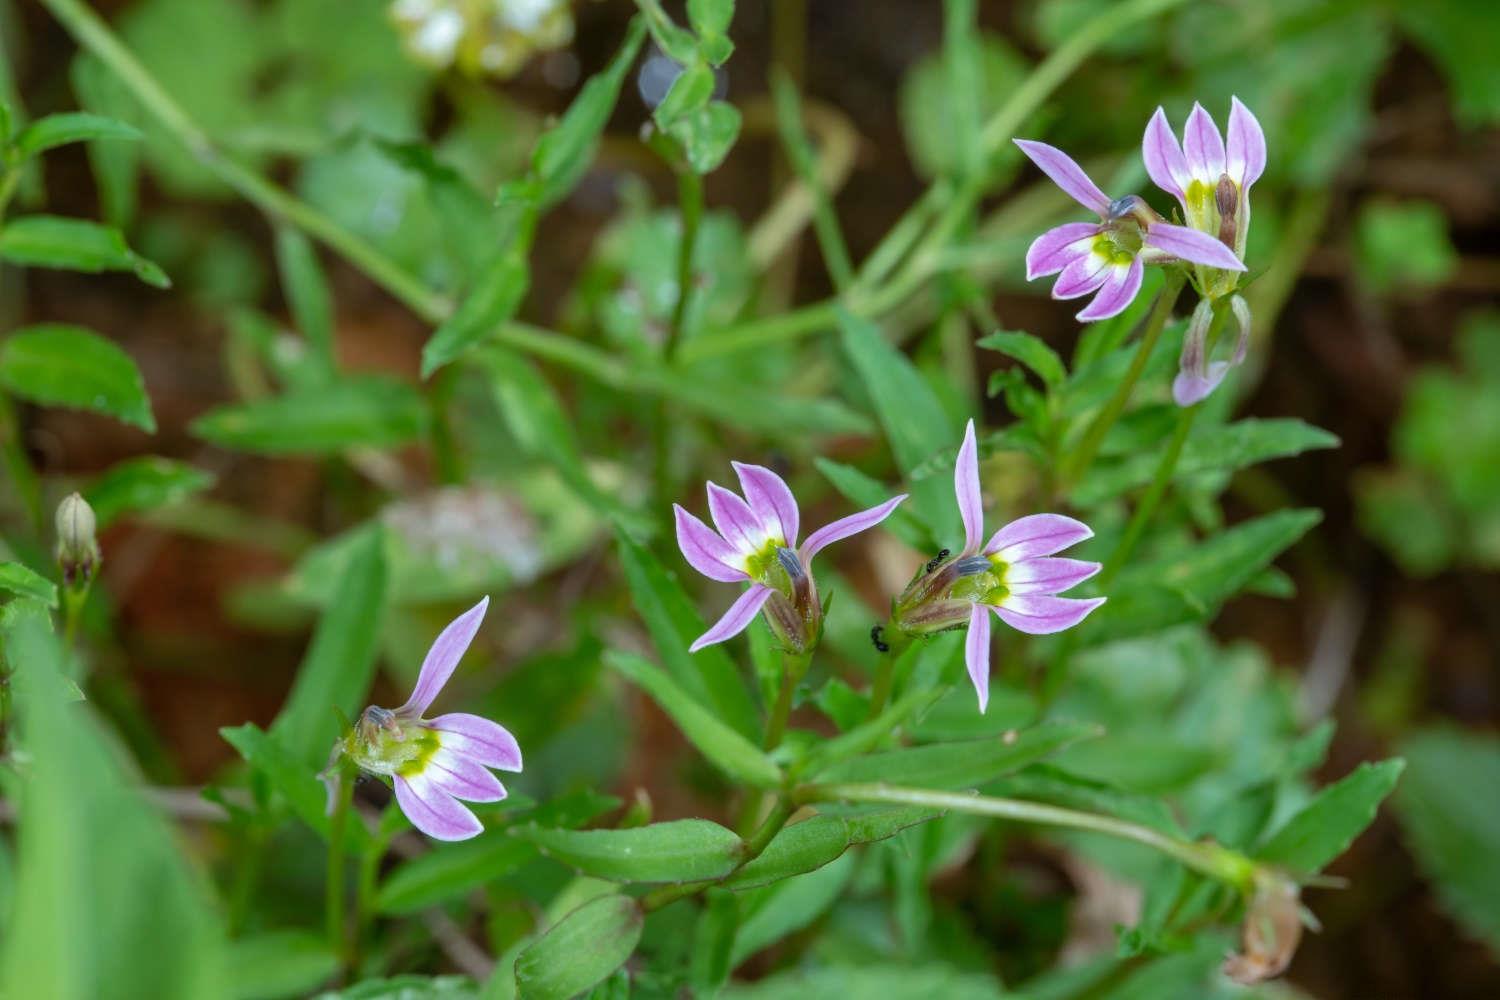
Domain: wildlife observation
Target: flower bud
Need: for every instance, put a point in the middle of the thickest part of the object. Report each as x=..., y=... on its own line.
x=77, y=549
x=793, y=610
x=941, y=596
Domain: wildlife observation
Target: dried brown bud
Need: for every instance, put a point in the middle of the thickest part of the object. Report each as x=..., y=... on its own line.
x=1272, y=929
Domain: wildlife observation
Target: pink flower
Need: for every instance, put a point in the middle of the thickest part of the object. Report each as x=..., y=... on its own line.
x=1107, y=258
x=435, y=762
x=1209, y=179
x=1014, y=575
x=756, y=542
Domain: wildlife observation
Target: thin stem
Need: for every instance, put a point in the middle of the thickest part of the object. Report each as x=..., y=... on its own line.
x=896, y=642
x=1151, y=499
x=793, y=669
x=1077, y=462
x=334, y=896
x=1208, y=858
x=364, y=894
x=690, y=204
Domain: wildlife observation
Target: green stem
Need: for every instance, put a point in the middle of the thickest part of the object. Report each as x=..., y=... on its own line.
x=1077, y=462
x=1209, y=858
x=334, y=896
x=885, y=671
x=793, y=669
x=1151, y=499
x=8, y=181
x=690, y=204
x=754, y=845
x=364, y=895
x=440, y=391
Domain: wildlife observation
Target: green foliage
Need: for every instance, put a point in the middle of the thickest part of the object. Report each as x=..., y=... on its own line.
x=369, y=411
x=20, y=581
x=58, y=365
x=147, y=483
x=74, y=245
x=584, y=947
x=60, y=130
x=1404, y=245
x=1323, y=830
x=688, y=850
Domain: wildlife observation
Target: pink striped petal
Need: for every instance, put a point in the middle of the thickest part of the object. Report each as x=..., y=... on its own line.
x=844, y=527
x=1164, y=160
x=1190, y=244
x=771, y=500
x=1066, y=174
x=1042, y=615
x=705, y=551
x=1120, y=287
x=489, y=743
x=1047, y=575
x=1203, y=146
x=1057, y=248
x=1036, y=535
x=735, y=520
x=443, y=657
x=462, y=777
x=434, y=811
x=1245, y=158
x=740, y=614
x=966, y=488
x=977, y=653
x=1082, y=276
x=1197, y=377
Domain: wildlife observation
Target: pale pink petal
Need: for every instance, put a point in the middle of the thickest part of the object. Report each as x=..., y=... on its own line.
x=1043, y=615
x=1203, y=146
x=1245, y=157
x=1190, y=244
x=705, y=551
x=443, y=658
x=1047, y=575
x=1036, y=535
x=462, y=777
x=1194, y=387
x=771, y=500
x=1082, y=276
x=1164, y=160
x=977, y=653
x=1192, y=382
x=966, y=488
x=846, y=526
x=434, y=811
x=489, y=743
x=735, y=520
x=1066, y=174
x=740, y=614
x=1057, y=248
x=1119, y=290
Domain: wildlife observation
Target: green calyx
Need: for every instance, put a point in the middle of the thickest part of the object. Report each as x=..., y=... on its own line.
x=383, y=742
x=763, y=565
x=983, y=588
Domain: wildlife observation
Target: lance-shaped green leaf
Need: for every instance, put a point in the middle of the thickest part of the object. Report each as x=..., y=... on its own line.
x=77, y=126
x=144, y=484
x=74, y=245
x=580, y=950
x=369, y=411
x=709, y=676
x=453, y=870
x=59, y=365
x=22, y=581
x=335, y=676
x=770, y=913
x=293, y=779
x=713, y=942
x=800, y=847
x=495, y=297
x=967, y=764
x=710, y=19
x=915, y=423
x=306, y=291
x=684, y=850
x=1326, y=827
x=1031, y=351
x=707, y=133
x=689, y=92
x=726, y=748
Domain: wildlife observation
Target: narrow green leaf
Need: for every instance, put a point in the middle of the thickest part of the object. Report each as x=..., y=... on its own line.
x=801, y=847
x=1452, y=822
x=370, y=411
x=870, y=825
x=707, y=133
x=78, y=126
x=584, y=947
x=495, y=297
x=679, y=44
x=684, y=850
x=23, y=582
x=710, y=18
x=335, y=676
x=306, y=291
x=144, y=484
x=279, y=964
x=708, y=675
x=74, y=245
x=866, y=491
x=293, y=779
x=1031, y=351
x=59, y=365
x=713, y=942
x=452, y=871
x=727, y=749
x=1326, y=827
x=563, y=154
x=689, y=92
x=771, y=913
x=967, y=764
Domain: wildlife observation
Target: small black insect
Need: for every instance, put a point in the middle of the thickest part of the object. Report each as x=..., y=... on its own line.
x=876, y=631
x=936, y=559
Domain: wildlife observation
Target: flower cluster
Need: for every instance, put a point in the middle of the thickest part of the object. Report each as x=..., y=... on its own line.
x=1211, y=181
x=432, y=762
x=491, y=37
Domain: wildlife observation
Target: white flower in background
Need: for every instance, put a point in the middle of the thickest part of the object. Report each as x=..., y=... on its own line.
x=491, y=37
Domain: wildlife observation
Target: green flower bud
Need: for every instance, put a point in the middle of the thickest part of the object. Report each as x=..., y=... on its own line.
x=77, y=548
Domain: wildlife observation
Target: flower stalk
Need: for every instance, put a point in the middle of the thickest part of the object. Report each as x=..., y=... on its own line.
x=334, y=895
